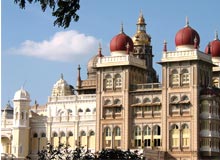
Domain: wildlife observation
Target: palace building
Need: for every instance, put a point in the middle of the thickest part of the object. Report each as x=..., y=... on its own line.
x=122, y=104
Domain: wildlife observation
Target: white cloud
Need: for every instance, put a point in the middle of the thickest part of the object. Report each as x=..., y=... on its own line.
x=63, y=46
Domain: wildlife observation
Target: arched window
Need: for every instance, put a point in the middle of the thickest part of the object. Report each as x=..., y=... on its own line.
x=146, y=100
x=156, y=100
x=22, y=115
x=185, y=77
x=35, y=135
x=107, y=102
x=55, y=134
x=62, y=134
x=43, y=134
x=118, y=81
x=117, y=101
x=174, y=99
x=83, y=133
x=147, y=131
x=70, y=134
x=88, y=110
x=91, y=133
x=108, y=81
x=175, y=135
x=80, y=110
x=185, y=135
x=137, y=100
x=175, y=77
x=117, y=131
x=156, y=130
x=137, y=131
x=108, y=132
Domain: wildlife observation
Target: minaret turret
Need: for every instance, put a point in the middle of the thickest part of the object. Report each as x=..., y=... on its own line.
x=143, y=48
x=20, y=143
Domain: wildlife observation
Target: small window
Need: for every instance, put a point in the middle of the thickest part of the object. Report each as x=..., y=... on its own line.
x=137, y=131
x=118, y=81
x=117, y=101
x=147, y=130
x=88, y=110
x=107, y=132
x=80, y=110
x=156, y=100
x=175, y=78
x=55, y=134
x=117, y=131
x=43, y=134
x=107, y=102
x=146, y=100
x=174, y=99
x=70, y=134
x=92, y=133
x=62, y=134
x=35, y=135
x=156, y=130
x=83, y=133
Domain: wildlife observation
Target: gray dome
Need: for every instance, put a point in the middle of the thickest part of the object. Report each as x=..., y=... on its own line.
x=22, y=95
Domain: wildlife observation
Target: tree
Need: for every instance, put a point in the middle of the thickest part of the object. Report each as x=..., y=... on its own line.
x=63, y=152
x=63, y=10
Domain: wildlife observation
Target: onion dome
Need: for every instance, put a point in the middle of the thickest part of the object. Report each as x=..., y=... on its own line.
x=7, y=111
x=91, y=66
x=62, y=88
x=187, y=36
x=121, y=44
x=141, y=37
x=213, y=47
x=22, y=95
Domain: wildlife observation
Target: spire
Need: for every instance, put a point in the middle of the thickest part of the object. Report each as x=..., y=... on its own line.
x=122, y=28
x=61, y=76
x=127, y=48
x=187, y=22
x=100, y=51
x=216, y=35
x=209, y=48
x=195, y=43
x=141, y=14
x=164, y=46
x=79, y=77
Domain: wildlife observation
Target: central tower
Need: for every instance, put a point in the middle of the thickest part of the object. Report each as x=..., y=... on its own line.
x=143, y=48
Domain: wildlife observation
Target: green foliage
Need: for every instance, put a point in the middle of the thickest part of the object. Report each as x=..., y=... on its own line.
x=109, y=154
x=63, y=10
x=63, y=152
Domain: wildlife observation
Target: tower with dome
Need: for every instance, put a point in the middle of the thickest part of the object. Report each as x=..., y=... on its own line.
x=122, y=105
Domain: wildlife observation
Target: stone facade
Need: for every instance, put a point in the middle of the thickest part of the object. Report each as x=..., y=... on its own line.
x=123, y=105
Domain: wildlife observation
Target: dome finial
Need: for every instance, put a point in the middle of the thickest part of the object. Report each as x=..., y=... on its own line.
x=100, y=50
x=187, y=21
x=216, y=35
x=61, y=76
x=195, y=43
x=79, y=77
x=141, y=13
x=122, y=27
x=165, y=46
x=127, y=48
x=209, y=48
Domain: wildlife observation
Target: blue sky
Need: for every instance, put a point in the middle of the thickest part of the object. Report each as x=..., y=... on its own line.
x=35, y=53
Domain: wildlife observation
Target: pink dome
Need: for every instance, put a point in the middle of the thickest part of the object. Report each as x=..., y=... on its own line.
x=120, y=41
x=214, y=48
x=186, y=36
